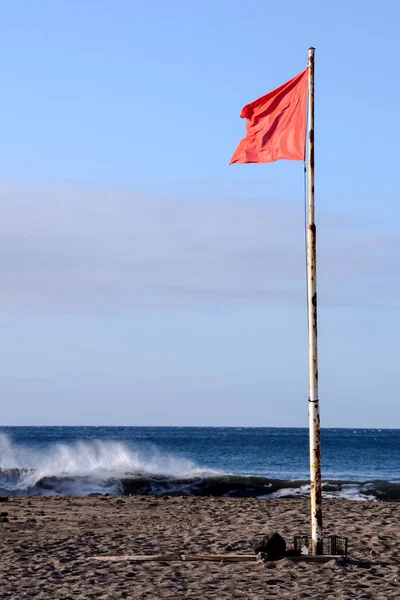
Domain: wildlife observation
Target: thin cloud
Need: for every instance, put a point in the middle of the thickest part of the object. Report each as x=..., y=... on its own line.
x=85, y=250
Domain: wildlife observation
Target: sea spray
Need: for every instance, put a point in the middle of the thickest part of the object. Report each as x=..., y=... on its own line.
x=81, y=467
x=246, y=462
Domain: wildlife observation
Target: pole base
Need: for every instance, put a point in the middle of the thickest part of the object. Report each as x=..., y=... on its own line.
x=330, y=545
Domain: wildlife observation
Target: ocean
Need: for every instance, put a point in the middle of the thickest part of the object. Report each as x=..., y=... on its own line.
x=358, y=464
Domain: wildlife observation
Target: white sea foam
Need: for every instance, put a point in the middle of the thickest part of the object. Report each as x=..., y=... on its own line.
x=350, y=491
x=93, y=463
x=94, y=466
x=290, y=492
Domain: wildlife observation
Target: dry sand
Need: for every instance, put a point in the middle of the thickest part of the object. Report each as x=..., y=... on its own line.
x=46, y=545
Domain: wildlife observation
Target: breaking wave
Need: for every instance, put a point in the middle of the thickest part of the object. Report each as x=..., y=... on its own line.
x=81, y=468
x=100, y=467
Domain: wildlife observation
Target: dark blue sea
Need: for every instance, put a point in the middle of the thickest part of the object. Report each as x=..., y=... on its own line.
x=359, y=464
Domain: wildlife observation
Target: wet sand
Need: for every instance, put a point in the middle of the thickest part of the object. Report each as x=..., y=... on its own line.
x=47, y=544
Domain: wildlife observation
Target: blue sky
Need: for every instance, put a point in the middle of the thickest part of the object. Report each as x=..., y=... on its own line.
x=143, y=279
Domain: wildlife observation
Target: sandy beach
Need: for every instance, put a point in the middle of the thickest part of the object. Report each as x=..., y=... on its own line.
x=47, y=543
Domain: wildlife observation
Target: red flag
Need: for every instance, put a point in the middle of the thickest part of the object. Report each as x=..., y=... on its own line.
x=276, y=125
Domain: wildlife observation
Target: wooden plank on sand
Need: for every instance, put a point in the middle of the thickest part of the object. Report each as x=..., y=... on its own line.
x=207, y=557
x=177, y=557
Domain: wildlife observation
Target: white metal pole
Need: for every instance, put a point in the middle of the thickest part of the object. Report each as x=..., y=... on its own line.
x=314, y=417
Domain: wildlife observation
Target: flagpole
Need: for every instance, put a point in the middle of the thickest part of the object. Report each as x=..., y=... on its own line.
x=314, y=417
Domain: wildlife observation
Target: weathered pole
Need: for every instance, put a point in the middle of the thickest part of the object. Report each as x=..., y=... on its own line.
x=314, y=418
